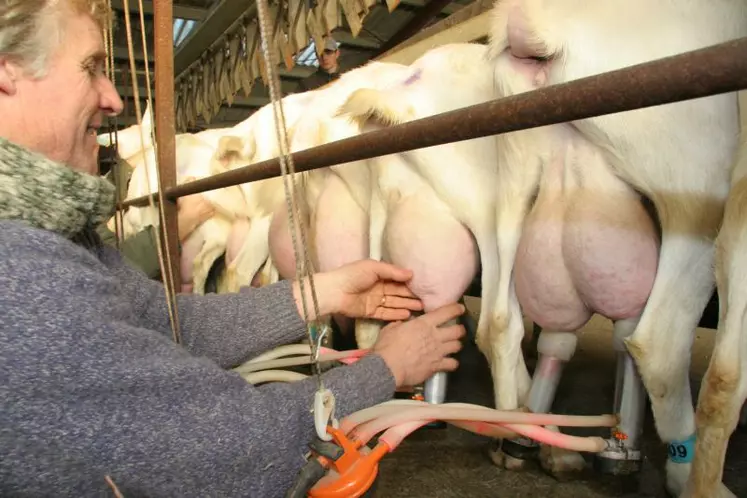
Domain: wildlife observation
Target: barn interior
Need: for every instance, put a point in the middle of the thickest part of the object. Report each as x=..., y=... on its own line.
x=433, y=462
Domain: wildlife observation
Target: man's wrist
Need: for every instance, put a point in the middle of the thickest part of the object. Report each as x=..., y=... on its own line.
x=325, y=299
x=391, y=364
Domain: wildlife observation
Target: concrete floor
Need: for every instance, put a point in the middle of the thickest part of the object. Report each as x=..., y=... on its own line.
x=450, y=462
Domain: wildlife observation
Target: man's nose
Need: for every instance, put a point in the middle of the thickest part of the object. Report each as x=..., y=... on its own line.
x=110, y=103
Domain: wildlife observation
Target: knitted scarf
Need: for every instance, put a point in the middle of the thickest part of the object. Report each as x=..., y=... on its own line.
x=49, y=195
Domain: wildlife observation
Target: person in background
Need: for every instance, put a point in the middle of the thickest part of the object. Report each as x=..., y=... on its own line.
x=92, y=385
x=328, y=70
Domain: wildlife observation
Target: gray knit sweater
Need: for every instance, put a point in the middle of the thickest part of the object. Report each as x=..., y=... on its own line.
x=92, y=385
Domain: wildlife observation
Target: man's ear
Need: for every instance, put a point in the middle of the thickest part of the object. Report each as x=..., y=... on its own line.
x=9, y=73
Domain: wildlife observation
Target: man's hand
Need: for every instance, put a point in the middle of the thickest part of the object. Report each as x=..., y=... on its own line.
x=416, y=349
x=363, y=289
x=193, y=211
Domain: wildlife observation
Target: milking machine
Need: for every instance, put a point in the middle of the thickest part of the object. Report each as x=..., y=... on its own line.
x=434, y=388
x=622, y=455
x=340, y=462
x=555, y=350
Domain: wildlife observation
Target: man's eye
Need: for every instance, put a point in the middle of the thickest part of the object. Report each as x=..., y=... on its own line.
x=93, y=68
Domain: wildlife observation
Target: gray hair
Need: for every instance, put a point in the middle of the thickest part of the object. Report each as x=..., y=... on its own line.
x=30, y=29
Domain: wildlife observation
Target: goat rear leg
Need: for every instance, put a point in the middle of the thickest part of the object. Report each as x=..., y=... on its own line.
x=724, y=387
x=661, y=344
x=721, y=396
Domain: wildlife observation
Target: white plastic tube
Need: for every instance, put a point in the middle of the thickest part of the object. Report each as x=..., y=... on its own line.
x=288, y=350
x=273, y=376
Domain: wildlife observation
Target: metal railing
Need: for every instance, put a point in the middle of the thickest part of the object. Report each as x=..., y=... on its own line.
x=709, y=71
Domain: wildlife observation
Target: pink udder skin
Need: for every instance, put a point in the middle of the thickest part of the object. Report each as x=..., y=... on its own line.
x=438, y=249
x=191, y=247
x=340, y=233
x=281, y=244
x=585, y=250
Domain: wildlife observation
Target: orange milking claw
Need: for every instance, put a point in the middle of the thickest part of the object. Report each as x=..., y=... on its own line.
x=353, y=473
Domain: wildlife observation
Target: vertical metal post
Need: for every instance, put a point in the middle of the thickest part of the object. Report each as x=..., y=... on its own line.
x=165, y=128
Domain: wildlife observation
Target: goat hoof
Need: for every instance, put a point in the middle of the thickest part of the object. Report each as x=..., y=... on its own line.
x=723, y=492
x=560, y=463
x=505, y=460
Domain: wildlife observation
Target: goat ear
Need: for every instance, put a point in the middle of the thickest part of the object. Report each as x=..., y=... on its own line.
x=147, y=122
x=231, y=150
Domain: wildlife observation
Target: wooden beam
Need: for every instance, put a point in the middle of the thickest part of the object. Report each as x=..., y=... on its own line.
x=180, y=11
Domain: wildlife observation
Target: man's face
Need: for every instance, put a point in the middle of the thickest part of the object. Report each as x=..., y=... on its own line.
x=329, y=59
x=59, y=114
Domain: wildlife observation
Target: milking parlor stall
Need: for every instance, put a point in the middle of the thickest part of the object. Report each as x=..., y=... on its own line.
x=571, y=171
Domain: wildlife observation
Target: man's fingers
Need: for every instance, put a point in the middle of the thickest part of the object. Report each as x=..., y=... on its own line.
x=402, y=303
x=443, y=314
x=451, y=333
x=207, y=211
x=389, y=314
x=448, y=365
x=397, y=289
x=392, y=325
x=386, y=271
x=452, y=347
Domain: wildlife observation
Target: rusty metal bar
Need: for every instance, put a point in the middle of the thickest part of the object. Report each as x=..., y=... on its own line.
x=164, y=118
x=709, y=71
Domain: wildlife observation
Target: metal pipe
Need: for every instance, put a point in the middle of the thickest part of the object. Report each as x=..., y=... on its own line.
x=165, y=127
x=709, y=71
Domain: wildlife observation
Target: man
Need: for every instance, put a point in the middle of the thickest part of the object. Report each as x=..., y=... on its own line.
x=91, y=384
x=328, y=68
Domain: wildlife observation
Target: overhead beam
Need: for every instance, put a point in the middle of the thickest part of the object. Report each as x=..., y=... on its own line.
x=419, y=4
x=419, y=21
x=217, y=21
x=469, y=25
x=123, y=54
x=238, y=101
x=346, y=38
x=226, y=118
x=182, y=11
